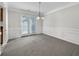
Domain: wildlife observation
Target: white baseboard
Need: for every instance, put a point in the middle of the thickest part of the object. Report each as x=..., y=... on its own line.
x=68, y=40
x=64, y=33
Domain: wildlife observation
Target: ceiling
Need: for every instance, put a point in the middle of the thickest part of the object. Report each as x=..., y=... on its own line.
x=45, y=7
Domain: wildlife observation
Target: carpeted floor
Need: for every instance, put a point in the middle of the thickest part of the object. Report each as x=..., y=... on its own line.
x=40, y=45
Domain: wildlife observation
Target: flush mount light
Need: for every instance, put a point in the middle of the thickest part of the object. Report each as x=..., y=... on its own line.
x=39, y=17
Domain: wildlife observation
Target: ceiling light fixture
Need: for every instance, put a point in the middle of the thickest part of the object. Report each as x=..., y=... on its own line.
x=39, y=17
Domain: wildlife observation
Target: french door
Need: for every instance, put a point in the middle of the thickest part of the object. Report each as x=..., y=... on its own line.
x=28, y=24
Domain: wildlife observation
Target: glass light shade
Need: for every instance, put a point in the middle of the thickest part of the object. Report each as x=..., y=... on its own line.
x=38, y=18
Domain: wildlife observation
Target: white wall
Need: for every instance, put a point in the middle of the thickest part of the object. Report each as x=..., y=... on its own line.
x=39, y=26
x=63, y=24
x=14, y=23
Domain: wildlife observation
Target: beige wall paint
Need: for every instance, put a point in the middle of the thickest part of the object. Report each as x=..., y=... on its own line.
x=14, y=23
x=63, y=24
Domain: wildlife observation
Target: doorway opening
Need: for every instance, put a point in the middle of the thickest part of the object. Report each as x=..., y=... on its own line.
x=28, y=25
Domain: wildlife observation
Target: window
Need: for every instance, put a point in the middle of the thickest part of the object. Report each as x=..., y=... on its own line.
x=28, y=24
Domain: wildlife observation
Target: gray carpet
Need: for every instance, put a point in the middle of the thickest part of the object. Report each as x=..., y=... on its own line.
x=40, y=45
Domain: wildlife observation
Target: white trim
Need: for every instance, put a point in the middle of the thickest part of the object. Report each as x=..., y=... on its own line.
x=58, y=9
x=62, y=39
x=2, y=47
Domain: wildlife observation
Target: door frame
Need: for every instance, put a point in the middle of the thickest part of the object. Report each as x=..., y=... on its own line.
x=28, y=27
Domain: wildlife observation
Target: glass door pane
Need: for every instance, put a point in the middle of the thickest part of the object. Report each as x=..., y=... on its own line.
x=28, y=25
x=33, y=24
x=25, y=25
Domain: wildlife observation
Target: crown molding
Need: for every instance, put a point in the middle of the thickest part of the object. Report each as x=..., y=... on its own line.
x=22, y=11
x=61, y=8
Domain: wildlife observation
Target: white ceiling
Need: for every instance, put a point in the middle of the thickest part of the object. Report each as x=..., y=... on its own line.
x=34, y=6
